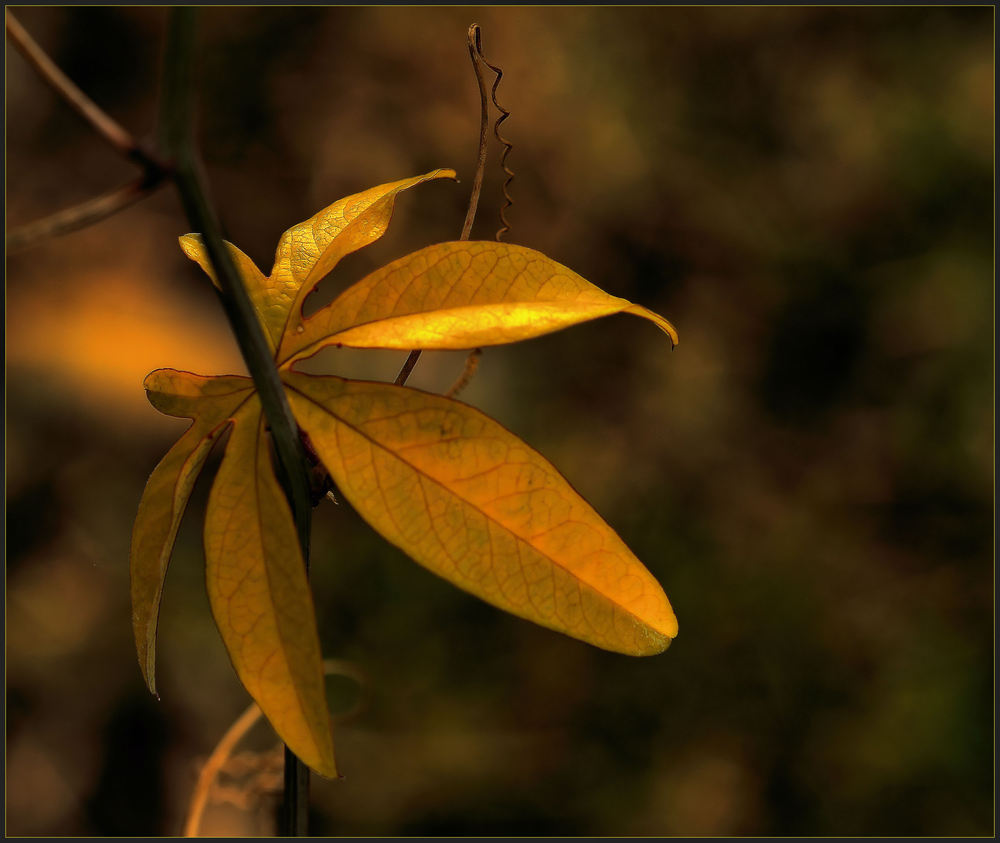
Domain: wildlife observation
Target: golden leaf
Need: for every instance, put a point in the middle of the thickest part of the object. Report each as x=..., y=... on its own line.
x=253, y=279
x=309, y=251
x=460, y=295
x=211, y=402
x=260, y=596
x=471, y=502
x=448, y=485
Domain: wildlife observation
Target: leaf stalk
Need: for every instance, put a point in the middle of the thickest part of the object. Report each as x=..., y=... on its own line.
x=476, y=54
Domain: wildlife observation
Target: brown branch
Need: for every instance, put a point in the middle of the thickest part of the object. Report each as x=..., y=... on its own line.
x=104, y=125
x=475, y=53
x=80, y=216
x=471, y=365
x=507, y=145
x=408, y=364
x=216, y=762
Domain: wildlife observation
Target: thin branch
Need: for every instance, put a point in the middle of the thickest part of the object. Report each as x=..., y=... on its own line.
x=80, y=216
x=201, y=214
x=475, y=53
x=408, y=364
x=177, y=125
x=295, y=806
x=101, y=207
x=85, y=214
x=216, y=762
x=104, y=125
x=507, y=145
x=213, y=766
x=471, y=365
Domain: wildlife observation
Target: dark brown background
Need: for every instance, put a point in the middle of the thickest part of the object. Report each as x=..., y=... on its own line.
x=806, y=193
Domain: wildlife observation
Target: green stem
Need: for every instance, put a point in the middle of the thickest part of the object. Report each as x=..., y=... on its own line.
x=176, y=133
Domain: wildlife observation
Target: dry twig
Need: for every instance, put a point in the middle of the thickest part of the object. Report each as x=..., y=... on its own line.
x=93, y=210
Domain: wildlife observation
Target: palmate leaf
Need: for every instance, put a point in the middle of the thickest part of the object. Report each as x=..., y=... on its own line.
x=256, y=578
x=452, y=488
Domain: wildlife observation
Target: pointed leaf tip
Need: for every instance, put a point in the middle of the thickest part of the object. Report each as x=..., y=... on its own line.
x=210, y=402
x=471, y=502
x=260, y=596
x=458, y=295
x=310, y=250
x=661, y=323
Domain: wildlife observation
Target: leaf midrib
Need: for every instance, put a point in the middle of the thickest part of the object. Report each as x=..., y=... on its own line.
x=303, y=708
x=486, y=515
x=329, y=339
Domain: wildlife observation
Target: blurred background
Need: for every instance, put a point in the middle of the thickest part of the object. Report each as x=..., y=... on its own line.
x=807, y=193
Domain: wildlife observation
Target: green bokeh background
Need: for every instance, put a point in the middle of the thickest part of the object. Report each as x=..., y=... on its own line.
x=807, y=193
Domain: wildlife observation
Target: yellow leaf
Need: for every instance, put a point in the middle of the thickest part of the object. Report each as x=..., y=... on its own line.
x=452, y=488
x=471, y=502
x=310, y=250
x=210, y=402
x=187, y=396
x=459, y=295
x=253, y=279
x=260, y=596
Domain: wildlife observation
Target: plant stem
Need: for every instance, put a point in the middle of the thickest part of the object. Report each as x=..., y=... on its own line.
x=107, y=128
x=475, y=53
x=86, y=213
x=408, y=364
x=80, y=216
x=295, y=805
x=213, y=766
x=177, y=134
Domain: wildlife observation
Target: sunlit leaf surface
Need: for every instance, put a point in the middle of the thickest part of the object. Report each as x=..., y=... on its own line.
x=260, y=596
x=470, y=501
x=449, y=486
x=256, y=284
x=309, y=250
x=461, y=295
x=210, y=402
